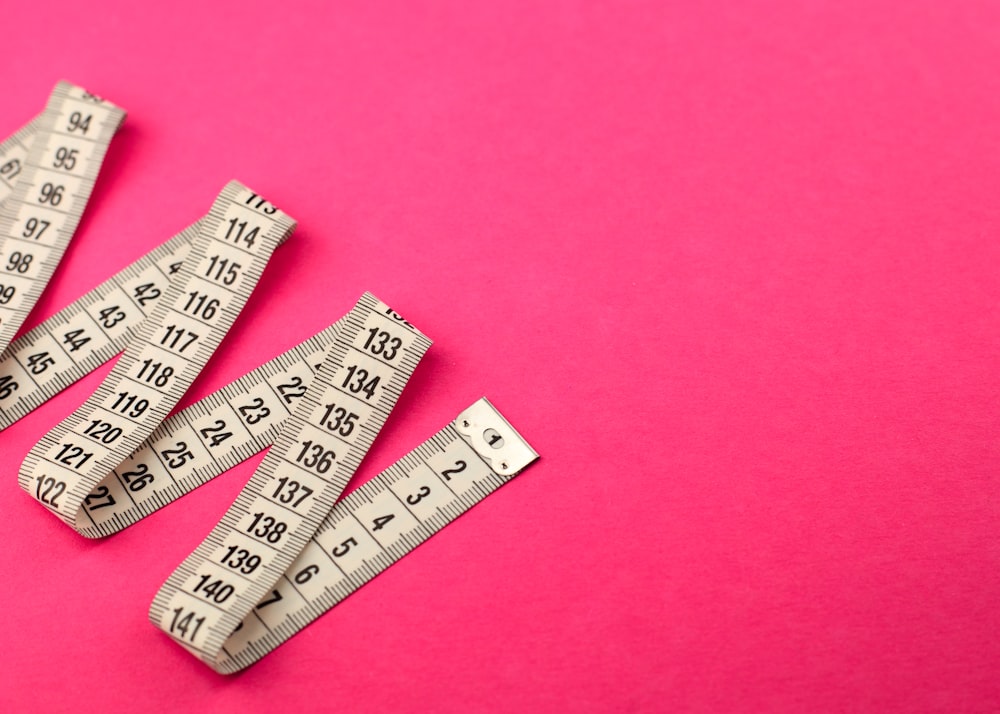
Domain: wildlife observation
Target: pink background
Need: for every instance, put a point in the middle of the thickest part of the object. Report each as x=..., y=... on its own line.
x=731, y=270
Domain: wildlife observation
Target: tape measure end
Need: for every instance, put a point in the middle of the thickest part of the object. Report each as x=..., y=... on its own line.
x=489, y=433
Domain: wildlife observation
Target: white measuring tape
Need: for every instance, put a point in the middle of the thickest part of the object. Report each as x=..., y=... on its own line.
x=234, y=242
x=206, y=605
x=48, y=169
x=53, y=355
x=260, y=575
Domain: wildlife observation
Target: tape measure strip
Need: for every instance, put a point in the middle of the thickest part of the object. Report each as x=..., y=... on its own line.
x=208, y=437
x=251, y=645
x=254, y=638
x=235, y=241
x=276, y=385
x=205, y=439
x=13, y=154
x=317, y=450
x=192, y=446
x=44, y=361
x=39, y=217
x=370, y=529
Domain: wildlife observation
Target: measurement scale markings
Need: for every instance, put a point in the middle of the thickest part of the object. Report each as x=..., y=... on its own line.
x=361, y=366
x=41, y=189
x=158, y=376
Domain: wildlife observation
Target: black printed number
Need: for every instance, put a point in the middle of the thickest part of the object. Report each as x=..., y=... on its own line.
x=51, y=194
x=155, y=372
x=341, y=550
x=144, y=293
x=78, y=122
x=34, y=227
x=357, y=381
x=111, y=316
x=201, y=305
x=7, y=386
x=177, y=338
x=215, y=434
x=267, y=527
x=65, y=158
x=305, y=575
x=339, y=420
x=76, y=339
x=137, y=479
x=293, y=390
x=48, y=490
x=19, y=262
x=222, y=269
x=100, y=497
x=316, y=457
x=253, y=412
x=457, y=469
x=255, y=201
x=240, y=559
x=240, y=231
x=214, y=590
x=185, y=624
x=40, y=362
x=382, y=343
x=73, y=455
x=275, y=597
x=291, y=491
x=177, y=456
x=102, y=431
x=130, y=405
x=10, y=169
x=414, y=498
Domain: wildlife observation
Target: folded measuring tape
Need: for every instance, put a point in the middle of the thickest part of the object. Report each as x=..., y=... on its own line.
x=47, y=172
x=286, y=551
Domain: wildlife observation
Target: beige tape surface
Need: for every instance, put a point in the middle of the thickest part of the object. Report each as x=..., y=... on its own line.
x=48, y=170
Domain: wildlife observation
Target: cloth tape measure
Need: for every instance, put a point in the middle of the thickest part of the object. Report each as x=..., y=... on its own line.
x=289, y=548
x=49, y=168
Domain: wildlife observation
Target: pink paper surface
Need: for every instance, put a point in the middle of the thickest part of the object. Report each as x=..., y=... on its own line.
x=731, y=268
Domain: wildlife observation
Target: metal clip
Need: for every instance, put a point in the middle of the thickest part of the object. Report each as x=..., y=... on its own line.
x=494, y=439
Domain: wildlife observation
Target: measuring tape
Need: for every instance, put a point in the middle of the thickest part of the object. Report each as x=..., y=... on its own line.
x=225, y=261
x=316, y=452
x=286, y=551
x=47, y=359
x=360, y=537
x=242, y=418
x=48, y=169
